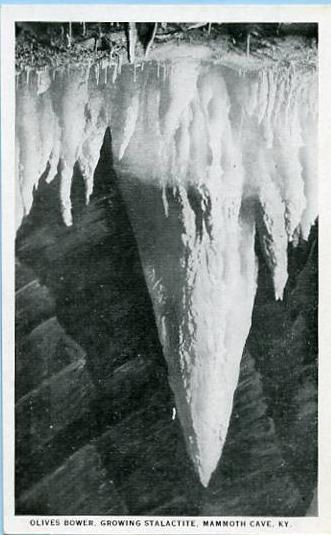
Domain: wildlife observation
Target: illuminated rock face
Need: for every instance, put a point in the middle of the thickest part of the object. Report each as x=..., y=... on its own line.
x=206, y=157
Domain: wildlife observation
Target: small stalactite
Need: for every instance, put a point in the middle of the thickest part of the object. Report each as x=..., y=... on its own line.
x=248, y=44
x=28, y=71
x=114, y=76
x=132, y=39
x=69, y=36
x=62, y=33
x=151, y=41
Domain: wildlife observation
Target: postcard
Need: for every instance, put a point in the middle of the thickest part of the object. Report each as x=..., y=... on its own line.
x=165, y=262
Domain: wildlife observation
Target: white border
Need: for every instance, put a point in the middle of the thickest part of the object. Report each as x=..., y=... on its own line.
x=246, y=13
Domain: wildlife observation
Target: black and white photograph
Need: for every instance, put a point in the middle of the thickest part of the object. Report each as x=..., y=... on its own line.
x=166, y=273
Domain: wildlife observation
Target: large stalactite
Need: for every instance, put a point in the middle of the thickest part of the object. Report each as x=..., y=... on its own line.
x=207, y=156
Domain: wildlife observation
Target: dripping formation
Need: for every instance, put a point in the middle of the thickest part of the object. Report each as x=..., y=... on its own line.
x=207, y=156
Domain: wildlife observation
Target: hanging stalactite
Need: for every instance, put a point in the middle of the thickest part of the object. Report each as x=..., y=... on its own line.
x=217, y=154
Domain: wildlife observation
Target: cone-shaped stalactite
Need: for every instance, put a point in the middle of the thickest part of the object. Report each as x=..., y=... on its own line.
x=207, y=157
